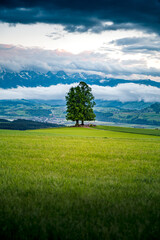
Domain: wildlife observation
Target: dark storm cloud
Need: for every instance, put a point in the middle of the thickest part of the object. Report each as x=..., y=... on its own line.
x=55, y=35
x=129, y=41
x=139, y=44
x=142, y=49
x=84, y=15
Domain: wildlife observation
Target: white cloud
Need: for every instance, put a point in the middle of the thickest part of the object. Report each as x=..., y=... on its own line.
x=53, y=92
x=53, y=36
x=127, y=92
x=18, y=58
x=127, y=53
x=122, y=92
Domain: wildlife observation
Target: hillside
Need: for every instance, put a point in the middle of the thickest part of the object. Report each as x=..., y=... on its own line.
x=77, y=183
x=135, y=114
x=33, y=110
x=54, y=111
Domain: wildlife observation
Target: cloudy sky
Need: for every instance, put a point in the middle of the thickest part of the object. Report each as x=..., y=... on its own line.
x=115, y=38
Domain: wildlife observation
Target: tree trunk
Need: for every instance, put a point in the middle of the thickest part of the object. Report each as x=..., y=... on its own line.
x=77, y=122
x=82, y=122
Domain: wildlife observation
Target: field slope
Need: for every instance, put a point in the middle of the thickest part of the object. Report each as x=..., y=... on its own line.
x=77, y=183
x=154, y=132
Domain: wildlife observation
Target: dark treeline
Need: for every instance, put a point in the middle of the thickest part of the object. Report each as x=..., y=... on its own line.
x=22, y=124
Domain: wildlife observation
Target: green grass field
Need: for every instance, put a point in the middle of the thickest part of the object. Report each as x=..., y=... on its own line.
x=77, y=183
x=130, y=130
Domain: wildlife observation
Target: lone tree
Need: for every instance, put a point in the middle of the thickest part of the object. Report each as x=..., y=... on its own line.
x=80, y=103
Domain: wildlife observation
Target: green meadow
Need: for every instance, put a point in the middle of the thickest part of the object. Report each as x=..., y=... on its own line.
x=80, y=183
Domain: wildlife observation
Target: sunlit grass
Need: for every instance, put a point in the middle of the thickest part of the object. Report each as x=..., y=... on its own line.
x=74, y=183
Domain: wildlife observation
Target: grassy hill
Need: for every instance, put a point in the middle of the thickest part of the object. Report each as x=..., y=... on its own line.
x=79, y=183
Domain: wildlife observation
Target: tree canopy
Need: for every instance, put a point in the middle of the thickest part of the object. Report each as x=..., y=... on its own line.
x=80, y=103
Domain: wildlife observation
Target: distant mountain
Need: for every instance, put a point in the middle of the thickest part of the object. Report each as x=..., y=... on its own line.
x=122, y=105
x=155, y=107
x=34, y=79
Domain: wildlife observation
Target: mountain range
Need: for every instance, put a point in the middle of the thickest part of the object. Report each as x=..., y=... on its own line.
x=26, y=78
x=54, y=111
